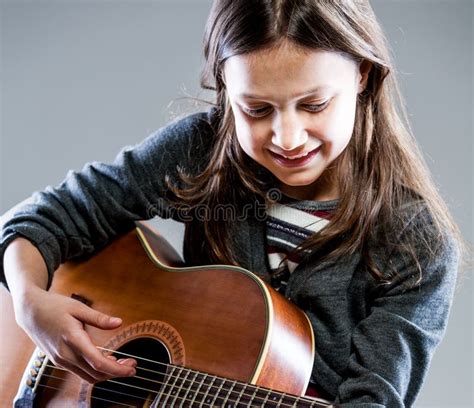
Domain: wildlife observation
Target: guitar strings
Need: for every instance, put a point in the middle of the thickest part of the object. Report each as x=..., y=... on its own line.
x=248, y=387
x=175, y=397
x=201, y=404
x=95, y=387
x=184, y=398
x=123, y=393
x=209, y=386
x=162, y=394
x=92, y=398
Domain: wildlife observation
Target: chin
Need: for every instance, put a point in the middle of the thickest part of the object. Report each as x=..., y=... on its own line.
x=300, y=182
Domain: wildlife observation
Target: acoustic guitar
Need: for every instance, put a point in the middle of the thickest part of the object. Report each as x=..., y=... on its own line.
x=202, y=336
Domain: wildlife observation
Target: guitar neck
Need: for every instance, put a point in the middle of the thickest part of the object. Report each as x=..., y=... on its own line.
x=194, y=388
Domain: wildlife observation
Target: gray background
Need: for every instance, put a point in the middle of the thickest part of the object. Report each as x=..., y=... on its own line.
x=81, y=79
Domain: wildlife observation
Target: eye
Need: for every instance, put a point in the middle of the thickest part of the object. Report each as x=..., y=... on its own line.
x=256, y=113
x=264, y=111
x=316, y=107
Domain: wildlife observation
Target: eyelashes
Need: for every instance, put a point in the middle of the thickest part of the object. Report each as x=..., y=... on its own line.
x=262, y=112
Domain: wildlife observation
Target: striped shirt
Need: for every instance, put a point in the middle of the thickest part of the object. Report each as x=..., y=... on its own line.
x=289, y=223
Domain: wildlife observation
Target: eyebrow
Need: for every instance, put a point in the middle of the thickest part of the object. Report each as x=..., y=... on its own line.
x=294, y=96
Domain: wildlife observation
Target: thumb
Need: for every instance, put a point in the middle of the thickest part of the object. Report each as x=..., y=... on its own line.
x=98, y=319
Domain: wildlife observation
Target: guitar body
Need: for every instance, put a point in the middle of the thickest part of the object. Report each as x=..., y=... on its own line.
x=219, y=320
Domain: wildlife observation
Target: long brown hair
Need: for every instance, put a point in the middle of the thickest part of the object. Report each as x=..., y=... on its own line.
x=379, y=171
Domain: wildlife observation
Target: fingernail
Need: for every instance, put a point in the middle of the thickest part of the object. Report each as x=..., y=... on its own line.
x=127, y=361
x=115, y=319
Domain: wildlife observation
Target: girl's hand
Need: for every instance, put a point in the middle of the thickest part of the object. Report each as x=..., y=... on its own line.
x=55, y=323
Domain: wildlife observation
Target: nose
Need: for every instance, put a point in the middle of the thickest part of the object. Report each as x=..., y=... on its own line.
x=289, y=131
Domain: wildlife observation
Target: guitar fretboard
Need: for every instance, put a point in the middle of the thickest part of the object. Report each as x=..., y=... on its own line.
x=190, y=388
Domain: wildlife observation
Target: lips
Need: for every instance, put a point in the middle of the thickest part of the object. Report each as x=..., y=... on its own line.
x=295, y=157
x=295, y=161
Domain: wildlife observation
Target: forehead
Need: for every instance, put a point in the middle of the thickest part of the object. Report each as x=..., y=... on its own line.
x=287, y=69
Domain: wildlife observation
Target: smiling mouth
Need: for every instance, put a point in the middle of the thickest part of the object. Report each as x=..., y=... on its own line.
x=295, y=161
x=295, y=157
x=300, y=156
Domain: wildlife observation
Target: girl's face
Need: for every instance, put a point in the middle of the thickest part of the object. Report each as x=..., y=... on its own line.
x=294, y=113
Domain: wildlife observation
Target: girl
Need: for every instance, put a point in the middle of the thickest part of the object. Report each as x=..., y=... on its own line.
x=305, y=126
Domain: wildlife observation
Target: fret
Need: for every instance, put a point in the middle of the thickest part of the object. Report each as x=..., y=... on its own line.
x=203, y=400
x=319, y=403
x=281, y=400
x=253, y=395
x=177, y=392
x=304, y=402
x=261, y=396
x=219, y=389
x=204, y=376
x=290, y=401
x=162, y=390
x=266, y=398
x=171, y=388
x=247, y=395
x=188, y=388
x=229, y=392
x=273, y=398
x=241, y=393
x=308, y=403
x=185, y=388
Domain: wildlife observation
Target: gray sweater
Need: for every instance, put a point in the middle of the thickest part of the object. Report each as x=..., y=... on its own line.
x=374, y=341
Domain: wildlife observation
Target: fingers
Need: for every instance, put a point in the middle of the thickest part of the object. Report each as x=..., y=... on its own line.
x=82, y=357
x=75, y=369
x=68, y=359
x=78, y=365
x=128, y=361
x=97, y=319
x=56, y=325
x=95, y=364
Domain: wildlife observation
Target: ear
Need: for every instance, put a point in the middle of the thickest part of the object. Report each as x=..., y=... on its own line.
x=364, y=69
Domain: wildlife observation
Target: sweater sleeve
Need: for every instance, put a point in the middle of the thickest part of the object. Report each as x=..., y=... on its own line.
x=93, y=206
x=392, y=347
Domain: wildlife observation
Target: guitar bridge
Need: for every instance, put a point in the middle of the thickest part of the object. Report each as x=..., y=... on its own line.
x=29, y=382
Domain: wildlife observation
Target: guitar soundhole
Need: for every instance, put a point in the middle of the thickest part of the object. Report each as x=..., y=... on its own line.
x=139, y=391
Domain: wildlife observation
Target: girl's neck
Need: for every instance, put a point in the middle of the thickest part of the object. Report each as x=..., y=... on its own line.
x=325, y=188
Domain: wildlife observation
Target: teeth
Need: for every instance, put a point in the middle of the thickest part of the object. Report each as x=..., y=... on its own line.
x=295, y=157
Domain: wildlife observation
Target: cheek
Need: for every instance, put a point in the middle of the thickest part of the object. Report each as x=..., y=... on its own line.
x=339, y=127
x=251, y=137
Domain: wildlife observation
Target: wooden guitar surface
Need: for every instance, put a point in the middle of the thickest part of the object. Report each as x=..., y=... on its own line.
x=186, y=327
